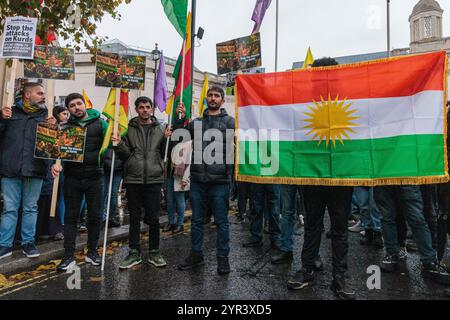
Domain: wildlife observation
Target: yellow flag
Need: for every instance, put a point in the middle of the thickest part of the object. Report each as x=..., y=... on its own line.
x=309, y=60
x=108, y=112
x=169, y=105
x=87, y=101
x=202, y=104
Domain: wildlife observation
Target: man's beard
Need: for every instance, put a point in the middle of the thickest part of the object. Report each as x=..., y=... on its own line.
x=39, y=105
x=214, y=107
x=79, y=117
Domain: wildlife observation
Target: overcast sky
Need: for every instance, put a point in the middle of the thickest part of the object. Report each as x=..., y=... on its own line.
x=330, y=27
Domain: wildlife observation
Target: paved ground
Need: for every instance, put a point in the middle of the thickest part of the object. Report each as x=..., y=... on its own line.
x=253, y=277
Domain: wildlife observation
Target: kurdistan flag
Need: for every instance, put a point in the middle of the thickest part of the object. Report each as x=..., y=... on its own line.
x=371, y=123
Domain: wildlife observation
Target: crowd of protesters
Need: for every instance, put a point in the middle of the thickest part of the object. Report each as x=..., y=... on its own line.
x=26, y=184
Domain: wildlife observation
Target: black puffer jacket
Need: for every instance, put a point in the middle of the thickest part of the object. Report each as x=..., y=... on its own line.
x=143, y=154
x=107, y=161
x=217, y=173
x=17, y=142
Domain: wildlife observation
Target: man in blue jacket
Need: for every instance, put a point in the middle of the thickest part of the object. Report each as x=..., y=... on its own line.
x=22, y=174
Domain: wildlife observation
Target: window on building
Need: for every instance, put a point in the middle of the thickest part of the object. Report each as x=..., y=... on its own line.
x=428, y=28
x=416, y=30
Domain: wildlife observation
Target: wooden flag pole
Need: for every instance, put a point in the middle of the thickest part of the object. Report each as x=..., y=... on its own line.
x=50, y=105
x=11, y=84
x=111, y=176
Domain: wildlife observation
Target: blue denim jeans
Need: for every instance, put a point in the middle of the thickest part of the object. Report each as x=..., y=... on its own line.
x=288, y=206
x=175, y=200
x=265, y=196
x=370, y=216
x=408, y=199
x=117, y=178
x=217, y=195
x=61, y=207
x=15, y=192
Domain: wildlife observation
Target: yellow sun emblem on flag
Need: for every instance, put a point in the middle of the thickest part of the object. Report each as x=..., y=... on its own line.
x=330, y=120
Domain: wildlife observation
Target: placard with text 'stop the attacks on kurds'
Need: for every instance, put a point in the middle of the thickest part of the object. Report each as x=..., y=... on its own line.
x=239, y=54
x=19, y=34
x=66, y=143
x=51, y=63
x=120, y=71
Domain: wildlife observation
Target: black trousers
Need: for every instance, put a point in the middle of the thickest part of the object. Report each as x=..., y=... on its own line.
x=46, y=225
x=74, y=189
x=244, y=195
x=147, y=196
x=337, y=200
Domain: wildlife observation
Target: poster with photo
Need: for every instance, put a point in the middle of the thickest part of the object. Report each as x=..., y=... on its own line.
x=239, y=54
x=66, y=143
x=51, y=63
x=120, y=71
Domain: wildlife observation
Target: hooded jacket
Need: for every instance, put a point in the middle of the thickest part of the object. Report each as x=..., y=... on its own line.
x=143, y=153
x=96, y=128
x=17, y=143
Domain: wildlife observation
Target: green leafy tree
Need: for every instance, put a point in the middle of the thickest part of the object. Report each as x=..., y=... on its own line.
x=72, y=20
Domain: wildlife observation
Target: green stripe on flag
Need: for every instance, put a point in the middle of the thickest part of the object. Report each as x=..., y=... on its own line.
x=176, y=11
x=401, y=156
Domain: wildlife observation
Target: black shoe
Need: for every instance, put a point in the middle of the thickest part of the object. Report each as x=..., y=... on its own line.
x=66, y=263
x=114, y=223
x=30, y=250
x=93, y=258
x=340, y=288
x=178, y=229
x=223, y=266
x=318, y=264
x=169, y=227
x=367, y=239
x=436, y=273
x=378, y=240
x=193, y=260
x=301, y=279
x=389, y=263
x=253, y=244
x=282, y=257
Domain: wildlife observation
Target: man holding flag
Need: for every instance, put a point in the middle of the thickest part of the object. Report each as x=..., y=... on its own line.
x=142, y=150
x=83, y=179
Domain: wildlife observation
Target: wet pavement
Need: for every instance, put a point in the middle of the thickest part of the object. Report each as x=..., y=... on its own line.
x=252, y=275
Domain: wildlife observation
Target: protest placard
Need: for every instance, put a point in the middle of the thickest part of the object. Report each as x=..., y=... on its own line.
x=19, y=34
x=239, y=54
x=51, y=63
x=120, y=71
x=66, y=143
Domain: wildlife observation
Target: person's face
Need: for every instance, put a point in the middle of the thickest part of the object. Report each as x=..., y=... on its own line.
x=35, y=95
x=77, y=108
x=63, y=116
x=144, y=111
x=214, y=100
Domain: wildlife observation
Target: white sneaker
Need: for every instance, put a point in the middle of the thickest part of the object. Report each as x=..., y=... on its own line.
x=356, y=228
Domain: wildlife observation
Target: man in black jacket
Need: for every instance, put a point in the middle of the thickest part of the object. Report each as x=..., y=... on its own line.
x=211, y=172
x=22, y=174
x=83, y=179
x=142, y=150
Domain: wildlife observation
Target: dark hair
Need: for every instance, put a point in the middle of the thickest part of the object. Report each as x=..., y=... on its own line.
x=73, y=96
x=324, y=62
x=57, y=110
x=30, y=85
x=143, y=100
x=217, y=89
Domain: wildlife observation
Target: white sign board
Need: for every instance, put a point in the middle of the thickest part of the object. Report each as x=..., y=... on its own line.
x=18, y=39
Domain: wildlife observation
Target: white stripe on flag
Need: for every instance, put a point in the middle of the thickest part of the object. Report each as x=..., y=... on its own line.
x=422, y=113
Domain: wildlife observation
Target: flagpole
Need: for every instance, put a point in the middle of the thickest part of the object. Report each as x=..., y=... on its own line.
x=276, y=38
x=115, y=133
x=193, y=12
x=105, y=238
x=388, y=28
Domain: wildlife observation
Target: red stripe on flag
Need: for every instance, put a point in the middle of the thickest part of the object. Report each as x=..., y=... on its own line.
x=398, y=77
x=187, y=74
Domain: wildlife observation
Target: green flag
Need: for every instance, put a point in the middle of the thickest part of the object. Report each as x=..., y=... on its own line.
x=176, y=11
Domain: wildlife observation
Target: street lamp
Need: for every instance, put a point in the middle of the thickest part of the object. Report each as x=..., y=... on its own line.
x=156, y=55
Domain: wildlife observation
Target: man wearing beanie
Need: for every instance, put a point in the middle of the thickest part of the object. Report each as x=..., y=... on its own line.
x=83, y=179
